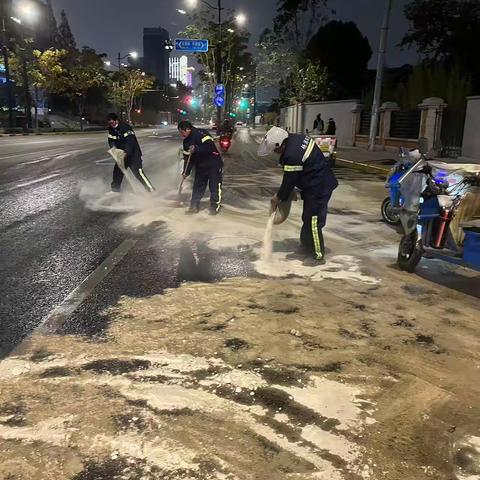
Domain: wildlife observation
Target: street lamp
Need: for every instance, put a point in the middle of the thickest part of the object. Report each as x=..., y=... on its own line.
x=241, y=19
x=181, y=12
x=168, y=44
x=107, y=63
x=133, y=55
x=28, y=11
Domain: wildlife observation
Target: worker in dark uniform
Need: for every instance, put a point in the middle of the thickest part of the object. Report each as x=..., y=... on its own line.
x=306, y=168
x=122, y=136
x=200, y=151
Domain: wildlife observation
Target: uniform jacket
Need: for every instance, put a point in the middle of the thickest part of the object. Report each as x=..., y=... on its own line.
x=206, y=155
x=124, y=137
x=306, y=168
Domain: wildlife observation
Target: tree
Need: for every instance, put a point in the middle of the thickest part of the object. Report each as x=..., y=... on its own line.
x=296, y=20
x=446, y=31
x=308, y=82
x=237, y=62
x=434, y=81
x=69, y=74
x=66, y=40
x=126, y=86
x=274, y=60
x=84, y=74
x=281, y=48
x=53, y=34
x=341, y=48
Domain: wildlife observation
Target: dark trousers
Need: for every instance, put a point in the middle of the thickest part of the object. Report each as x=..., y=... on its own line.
x=135, y=165
x=212, y=177
x=314, y=217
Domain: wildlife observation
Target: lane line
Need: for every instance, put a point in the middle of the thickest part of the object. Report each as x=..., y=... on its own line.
x=31, y=182
x=60, y=314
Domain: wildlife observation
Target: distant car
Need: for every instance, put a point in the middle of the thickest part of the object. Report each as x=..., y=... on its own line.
x=239, y=124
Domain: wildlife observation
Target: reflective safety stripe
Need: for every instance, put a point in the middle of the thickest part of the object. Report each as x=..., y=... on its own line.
x=308, y=151
x=206, y=138
x=130, y=132
x=145, y=179
x=316, y=239
x=113, y=137
x=293, y=168
x=219, y=196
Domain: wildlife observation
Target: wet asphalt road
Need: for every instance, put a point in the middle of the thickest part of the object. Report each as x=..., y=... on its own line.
x=50, y=243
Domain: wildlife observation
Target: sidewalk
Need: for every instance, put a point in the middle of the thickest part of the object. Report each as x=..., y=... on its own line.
x=362, y=159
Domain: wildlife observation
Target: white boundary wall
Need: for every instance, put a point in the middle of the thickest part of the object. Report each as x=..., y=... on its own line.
x=471, y=133
x=300, y=117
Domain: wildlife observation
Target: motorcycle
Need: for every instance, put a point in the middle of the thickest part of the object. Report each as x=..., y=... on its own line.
x=225, y=143
x=429, y=209
x=392, y=205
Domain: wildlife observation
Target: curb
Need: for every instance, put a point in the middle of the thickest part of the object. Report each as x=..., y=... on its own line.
x=362, y=166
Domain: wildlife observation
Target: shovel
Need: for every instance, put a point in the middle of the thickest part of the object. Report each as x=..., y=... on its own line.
x=183, y=179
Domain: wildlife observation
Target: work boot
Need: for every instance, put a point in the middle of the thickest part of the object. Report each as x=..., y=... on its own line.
x=314, y=262
x=214, y=210
x=192, y=210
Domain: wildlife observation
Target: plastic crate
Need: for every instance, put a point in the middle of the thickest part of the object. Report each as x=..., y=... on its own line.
x=471, y=247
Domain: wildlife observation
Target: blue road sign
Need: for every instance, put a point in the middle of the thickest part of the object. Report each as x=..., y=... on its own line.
x=219, y=101
x=220, y=89
x=191, y=46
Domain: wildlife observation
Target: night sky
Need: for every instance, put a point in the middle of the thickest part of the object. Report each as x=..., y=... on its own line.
x=111, y=26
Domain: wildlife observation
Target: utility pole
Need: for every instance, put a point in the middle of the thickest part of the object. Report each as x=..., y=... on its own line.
x=11, y=119
x=219, y=60
x=379, y=77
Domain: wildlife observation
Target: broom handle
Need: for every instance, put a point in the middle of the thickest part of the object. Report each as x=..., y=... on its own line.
x=186, y=168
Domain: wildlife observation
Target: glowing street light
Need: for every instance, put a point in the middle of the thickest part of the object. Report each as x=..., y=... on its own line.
x=230, y=30
x=107, y=63
x=16, y=20
x=181, y=12
x=28, y=11
x=133, y=55
x=241, y=19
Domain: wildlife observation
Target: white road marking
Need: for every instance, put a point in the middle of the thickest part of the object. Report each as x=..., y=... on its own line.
x=31, y=182
x=59, y=315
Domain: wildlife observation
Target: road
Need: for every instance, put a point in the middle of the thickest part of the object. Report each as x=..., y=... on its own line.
x=51, y=242
x=154, y=313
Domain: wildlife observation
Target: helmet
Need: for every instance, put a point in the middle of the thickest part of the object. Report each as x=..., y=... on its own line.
x=274, y=138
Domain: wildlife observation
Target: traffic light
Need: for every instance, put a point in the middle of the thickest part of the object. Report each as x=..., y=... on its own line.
x=188, y=100
x=243, y=104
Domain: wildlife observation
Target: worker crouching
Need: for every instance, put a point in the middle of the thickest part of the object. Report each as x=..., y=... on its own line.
x=304, y=167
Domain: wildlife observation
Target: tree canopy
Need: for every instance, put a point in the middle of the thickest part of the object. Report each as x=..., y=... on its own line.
x=341, y=48
x=446, y=31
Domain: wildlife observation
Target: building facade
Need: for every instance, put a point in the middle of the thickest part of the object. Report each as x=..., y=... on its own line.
x=155, y=56
x=179, y=70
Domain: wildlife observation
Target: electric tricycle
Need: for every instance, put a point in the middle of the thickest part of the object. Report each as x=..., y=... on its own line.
x=440, y=215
